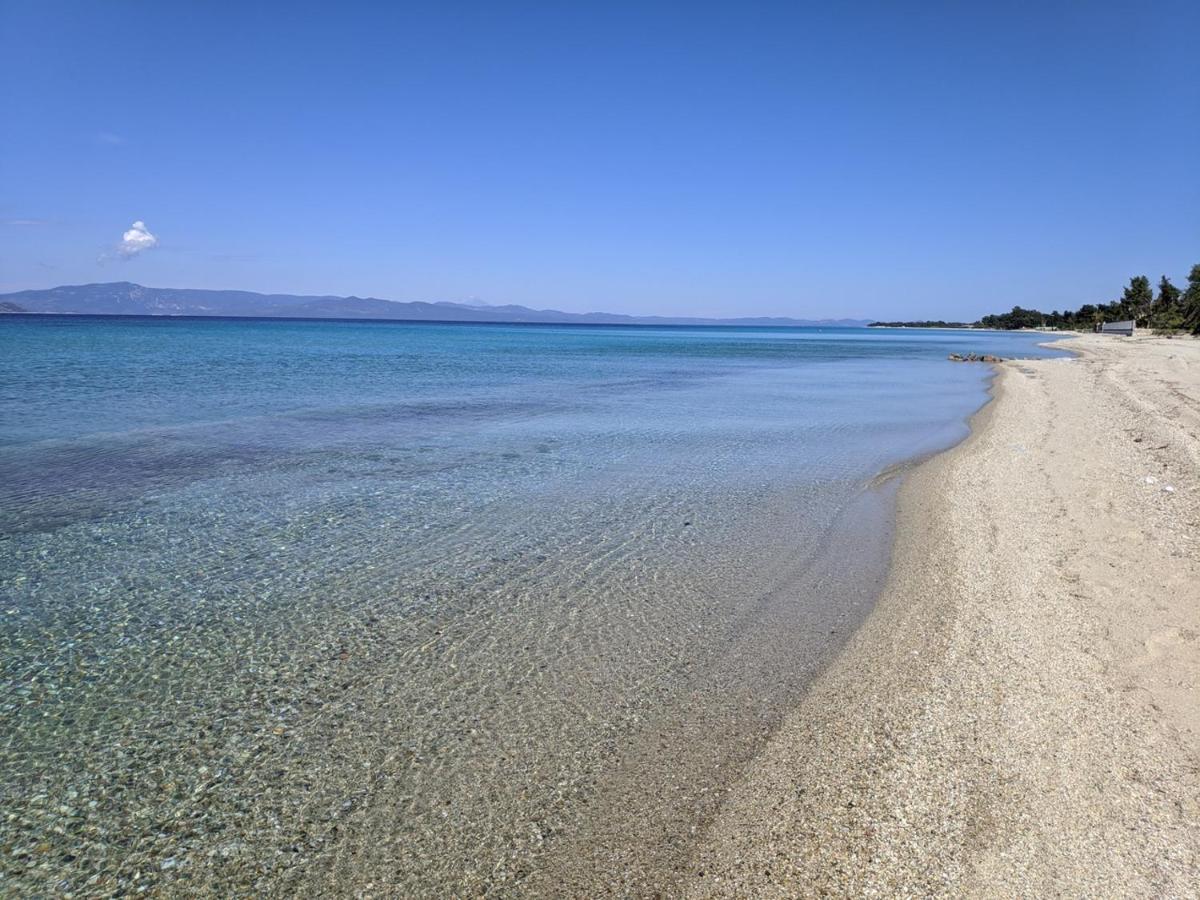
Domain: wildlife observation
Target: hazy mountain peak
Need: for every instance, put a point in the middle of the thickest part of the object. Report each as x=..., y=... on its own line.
x=127, y=298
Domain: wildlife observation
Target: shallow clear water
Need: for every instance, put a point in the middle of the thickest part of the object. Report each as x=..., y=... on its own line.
x=425, y=608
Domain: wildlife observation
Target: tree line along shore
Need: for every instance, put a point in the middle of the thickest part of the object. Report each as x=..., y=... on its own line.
x=1171, y=309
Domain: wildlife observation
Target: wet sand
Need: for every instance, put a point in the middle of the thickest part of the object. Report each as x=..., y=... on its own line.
x=1019, y=715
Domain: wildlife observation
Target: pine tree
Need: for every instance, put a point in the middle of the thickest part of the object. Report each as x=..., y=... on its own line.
x=1166, y=312
x=1136, y=301
x=1190, y=303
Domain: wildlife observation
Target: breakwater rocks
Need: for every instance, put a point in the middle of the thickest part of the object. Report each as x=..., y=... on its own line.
x=975, y=357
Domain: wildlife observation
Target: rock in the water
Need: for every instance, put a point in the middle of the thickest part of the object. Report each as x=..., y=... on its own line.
x=975, y=357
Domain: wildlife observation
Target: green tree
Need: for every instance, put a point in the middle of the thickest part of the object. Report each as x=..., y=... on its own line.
x=1171, y=309
x=1018, y=318
x=1137, y=299
x=1087, y=317
x=1166, y=312
x=1190, y=302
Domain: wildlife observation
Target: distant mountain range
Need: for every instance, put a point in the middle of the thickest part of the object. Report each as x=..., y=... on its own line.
x=123, y=298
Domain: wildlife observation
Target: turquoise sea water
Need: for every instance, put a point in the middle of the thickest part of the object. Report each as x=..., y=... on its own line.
x=292, y=606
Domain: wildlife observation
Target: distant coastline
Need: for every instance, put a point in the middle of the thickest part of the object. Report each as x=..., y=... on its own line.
x=125, y=298
x=937, y=324
x=1171, y=310
x=378, y=320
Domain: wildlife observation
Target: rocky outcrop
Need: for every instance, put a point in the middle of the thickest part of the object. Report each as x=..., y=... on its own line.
x=975, y=357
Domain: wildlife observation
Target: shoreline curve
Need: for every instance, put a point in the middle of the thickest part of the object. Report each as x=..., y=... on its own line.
x=1017, y=713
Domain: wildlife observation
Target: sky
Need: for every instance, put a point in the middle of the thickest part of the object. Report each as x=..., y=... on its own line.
x=938, y=160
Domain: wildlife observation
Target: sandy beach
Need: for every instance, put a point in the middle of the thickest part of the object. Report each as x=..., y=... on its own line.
x=1019, y=715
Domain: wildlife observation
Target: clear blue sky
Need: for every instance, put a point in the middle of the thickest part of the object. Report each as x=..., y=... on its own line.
x=740, y=158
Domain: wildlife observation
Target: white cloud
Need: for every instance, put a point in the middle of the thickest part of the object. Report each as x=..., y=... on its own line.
x=109, y=139
x=137, y=239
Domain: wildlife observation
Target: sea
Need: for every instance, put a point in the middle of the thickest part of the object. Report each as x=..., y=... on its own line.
x=385, y=608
